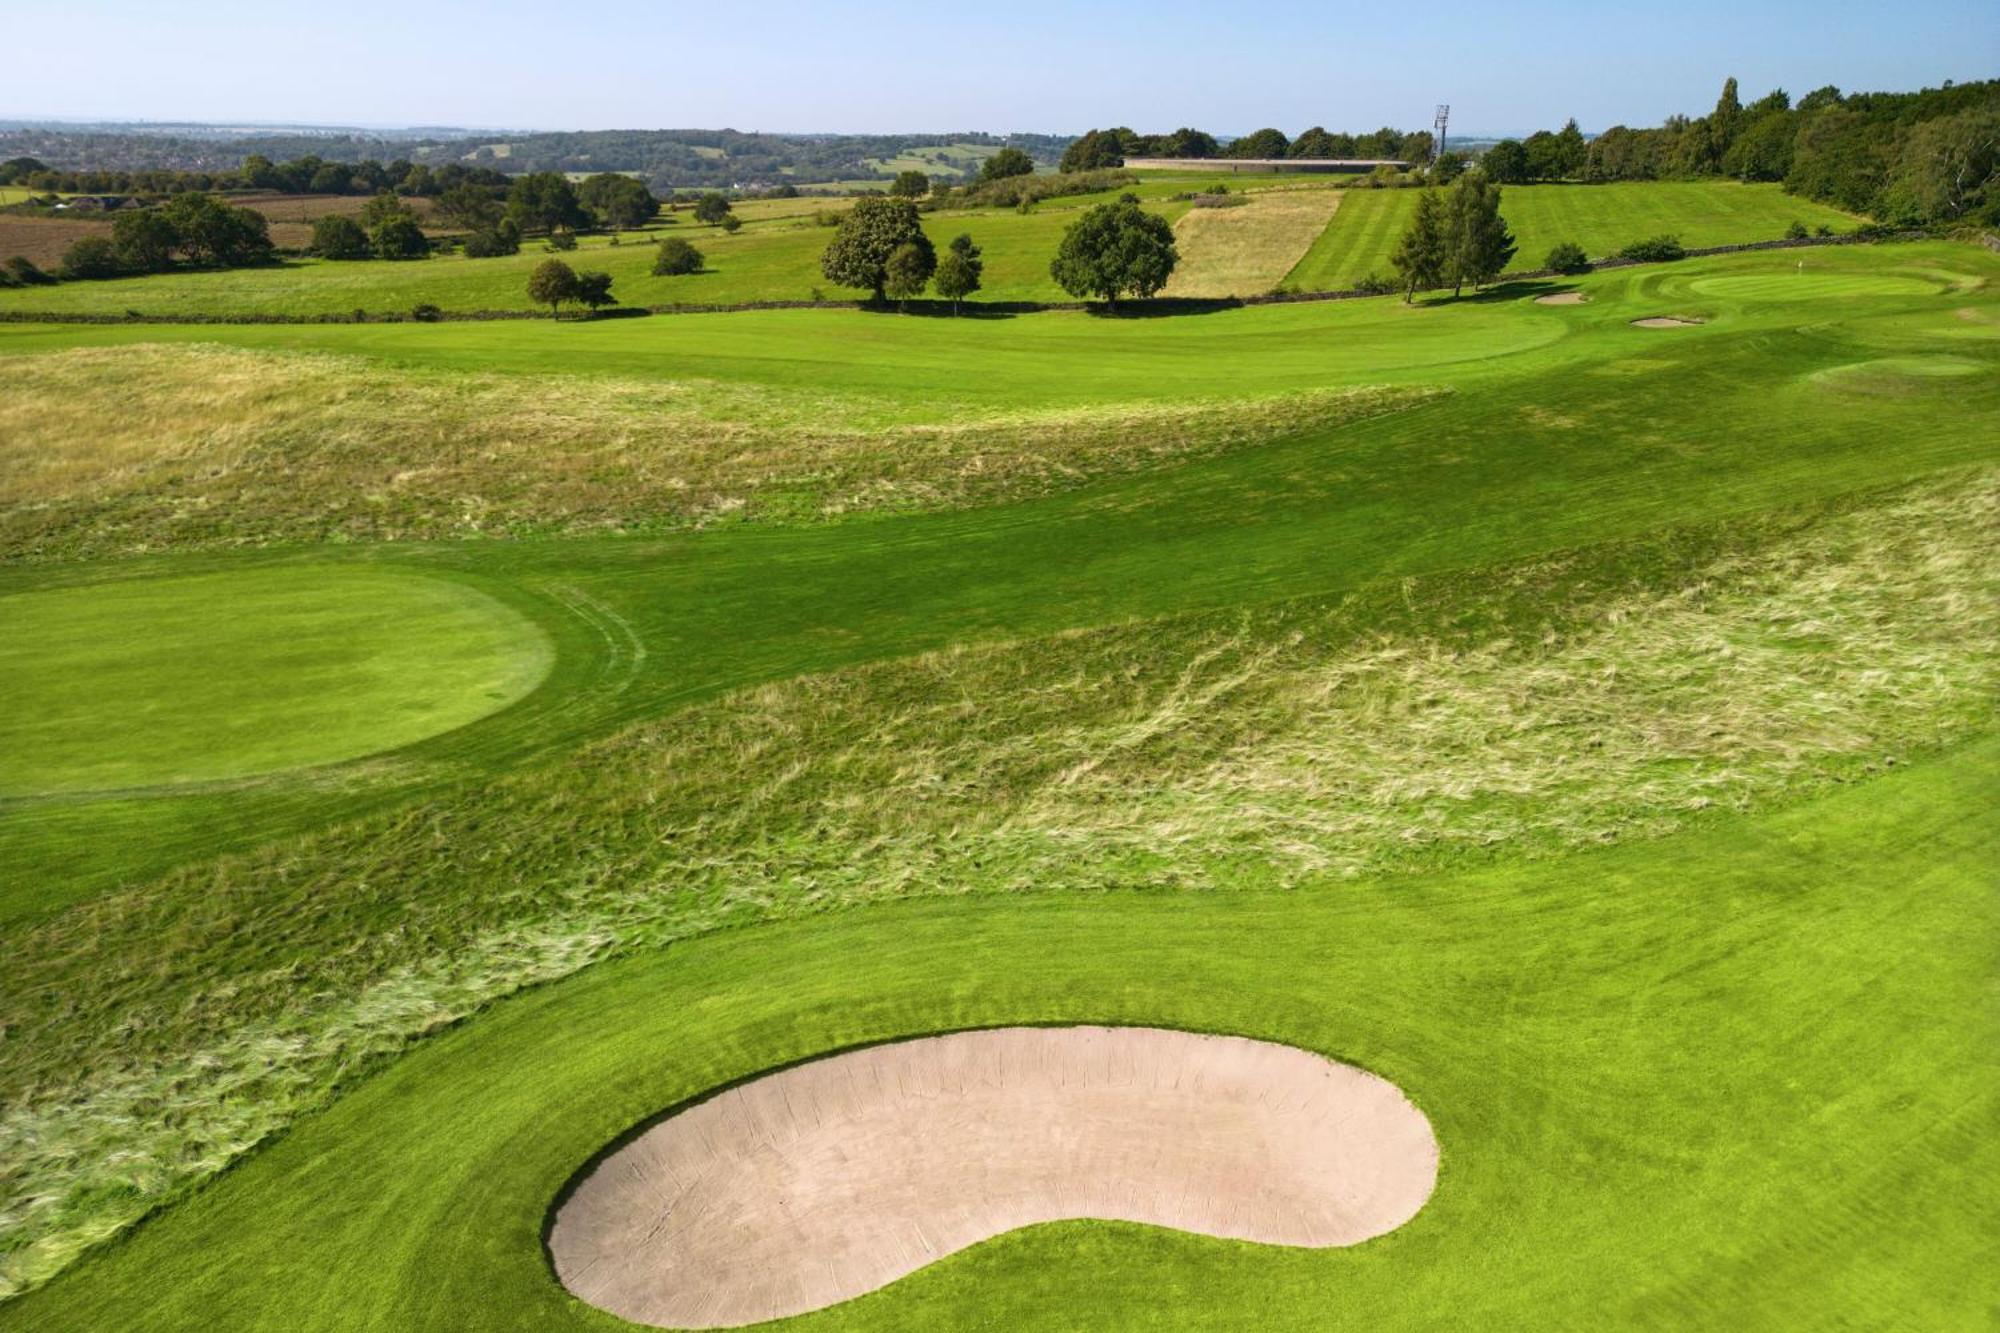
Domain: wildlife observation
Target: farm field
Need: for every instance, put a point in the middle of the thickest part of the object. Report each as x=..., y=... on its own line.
x=1600, y=218
x=1589, y=728
x=775, y=257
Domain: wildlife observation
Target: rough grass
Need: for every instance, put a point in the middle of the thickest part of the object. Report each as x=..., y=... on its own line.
x=130, y=449
x=45, y=240
x=1603, y=696
x=1248, y=251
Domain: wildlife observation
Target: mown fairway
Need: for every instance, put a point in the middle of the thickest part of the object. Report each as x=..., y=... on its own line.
x=1600, y=218
x=1586, y=727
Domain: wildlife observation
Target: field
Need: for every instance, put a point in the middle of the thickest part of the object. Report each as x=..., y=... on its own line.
x=775, y=257
x=1600, y=218
x=450, y=745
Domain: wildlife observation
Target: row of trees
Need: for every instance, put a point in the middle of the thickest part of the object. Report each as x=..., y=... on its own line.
x=880, y=246
x=1099, y=149
x=1455, y=237
x=1906, y=158
x=198, y=230
x=303, y=175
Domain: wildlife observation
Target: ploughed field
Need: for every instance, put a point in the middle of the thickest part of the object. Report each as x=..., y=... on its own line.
x=453, y=746
x=775, y=255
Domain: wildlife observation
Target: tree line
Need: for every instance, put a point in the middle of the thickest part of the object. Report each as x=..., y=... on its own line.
x=1909, y=159
x=309, y=174
x=1097, y=150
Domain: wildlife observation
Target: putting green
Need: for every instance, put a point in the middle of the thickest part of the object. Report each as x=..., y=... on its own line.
x=1796, y=284
x=220, y=676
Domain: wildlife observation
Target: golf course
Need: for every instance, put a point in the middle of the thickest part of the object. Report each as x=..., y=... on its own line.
x=1436, y=809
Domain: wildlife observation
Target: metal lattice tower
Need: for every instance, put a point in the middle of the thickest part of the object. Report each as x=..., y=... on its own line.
x=1437, y=131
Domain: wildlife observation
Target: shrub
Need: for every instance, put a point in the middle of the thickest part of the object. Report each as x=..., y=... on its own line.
x=1822, y=230
x=731, y=223
x=26, y=273
x=91, y=257
x=491, y=244
x=426, y=313
x=1218, y=201
x=1568, y=257
x=1012, y=191
x=826, y=217
x=1005, y=163
x=336, y=236
x=1655, y=249
x=676, y=258
x=399, y=238
x=1376, y=285
x=562, y=240
x=1796, y=232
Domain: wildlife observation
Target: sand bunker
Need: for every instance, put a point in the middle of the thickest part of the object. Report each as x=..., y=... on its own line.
x=1665, y=322
x=1561, y=298
x=827, y=1180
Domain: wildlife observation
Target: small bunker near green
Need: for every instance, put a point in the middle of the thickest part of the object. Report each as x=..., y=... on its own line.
x=827, y=1180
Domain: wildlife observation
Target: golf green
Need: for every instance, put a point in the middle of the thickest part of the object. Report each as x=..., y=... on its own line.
x=220, y=676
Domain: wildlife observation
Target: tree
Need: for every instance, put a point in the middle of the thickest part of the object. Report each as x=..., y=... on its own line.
x=594, y=290
x=1542, y=153
x=1478, y=243
x=1506, y=162
x=618, y=200
x=1007, y=162
x=544, y=201
x=1261, y=143
x=908, y=271
x=17, y=169
x=1315, y=142
x=208, y=231
x=494, y=242
x=399, y=237
x=145, y=240
x=90, y=257
x=1115, y=249
x=552, y=284
x=711, y=208
x=1095, y=151
x=1571, y=151
x=562, y=239
x=959, y=270
x=337, y=236
x=383, y=206
x=1188, y=142
x=1724, y=120
x=332, y=178
x=1450, y=165
x=676, y=258
x=730, y=223
x=910, y=185
x=472, y=207
x=1421, y=255
x=871, y=231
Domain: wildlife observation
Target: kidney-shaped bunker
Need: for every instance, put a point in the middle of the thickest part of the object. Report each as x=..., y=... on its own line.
x=829, y=1179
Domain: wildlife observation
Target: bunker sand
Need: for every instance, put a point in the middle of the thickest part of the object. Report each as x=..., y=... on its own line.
x=822, y=1182
x=1561, y=298
x=1665, y=322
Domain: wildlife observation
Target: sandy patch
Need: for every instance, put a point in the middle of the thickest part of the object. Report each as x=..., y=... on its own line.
x=1561, y=298
x=827, y=1180
x=1665, y=322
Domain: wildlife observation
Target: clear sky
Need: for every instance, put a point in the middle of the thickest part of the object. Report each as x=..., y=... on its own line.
x=902, y=65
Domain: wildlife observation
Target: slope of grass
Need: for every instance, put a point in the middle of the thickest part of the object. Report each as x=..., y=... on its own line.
x=1675, y=1085
x=1635, y=582
x=1600, y=218
x=1248, y=249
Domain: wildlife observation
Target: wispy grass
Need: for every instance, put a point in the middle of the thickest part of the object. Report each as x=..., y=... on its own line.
x=1616, y=693
x=128, y=449
x=1247, y=251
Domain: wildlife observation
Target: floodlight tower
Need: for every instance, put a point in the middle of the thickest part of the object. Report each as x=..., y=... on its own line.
x=1437, y=131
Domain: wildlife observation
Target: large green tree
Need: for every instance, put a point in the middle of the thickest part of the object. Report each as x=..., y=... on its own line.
x=910, y=185
x=869, y=232
x=908, y=271
x=337, y=236
x=959, y=271
x=1115, y=250
x=712, y=208
x=1094, y=151
x=1007, y=162
x=1423, y=253
x=553, y=284
x=1506, y=162
x=208, y=231
x=1478, y=243
x=145, y=240
x=545, y=201
x=618, y=200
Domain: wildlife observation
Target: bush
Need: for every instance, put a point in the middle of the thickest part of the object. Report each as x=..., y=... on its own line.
x=339, y=237
x=676, y=258
x=491, y=244
x=1012, y=191
x=1376, y=285
x=1568, y=258
x=731, y=223
x=399, y=238
x=826, y=217
x=91, y=257
x=1655, y=249
x=1822, y=230
x=1218, y=201
x=562, y=240
x=26, y=273
x=1796, y=232
x=426, y=313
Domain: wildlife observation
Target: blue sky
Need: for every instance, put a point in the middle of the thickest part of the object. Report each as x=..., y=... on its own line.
x=906, y=66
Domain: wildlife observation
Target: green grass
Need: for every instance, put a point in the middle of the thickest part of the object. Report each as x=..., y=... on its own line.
x=1502, y=743
x=221, y=676
x=1600, y=218
x=1673, y=1085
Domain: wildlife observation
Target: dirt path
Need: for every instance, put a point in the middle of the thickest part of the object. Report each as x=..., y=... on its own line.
x=827, y=1180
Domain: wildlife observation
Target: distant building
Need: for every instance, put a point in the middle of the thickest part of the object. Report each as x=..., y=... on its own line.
x=1350, y=165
